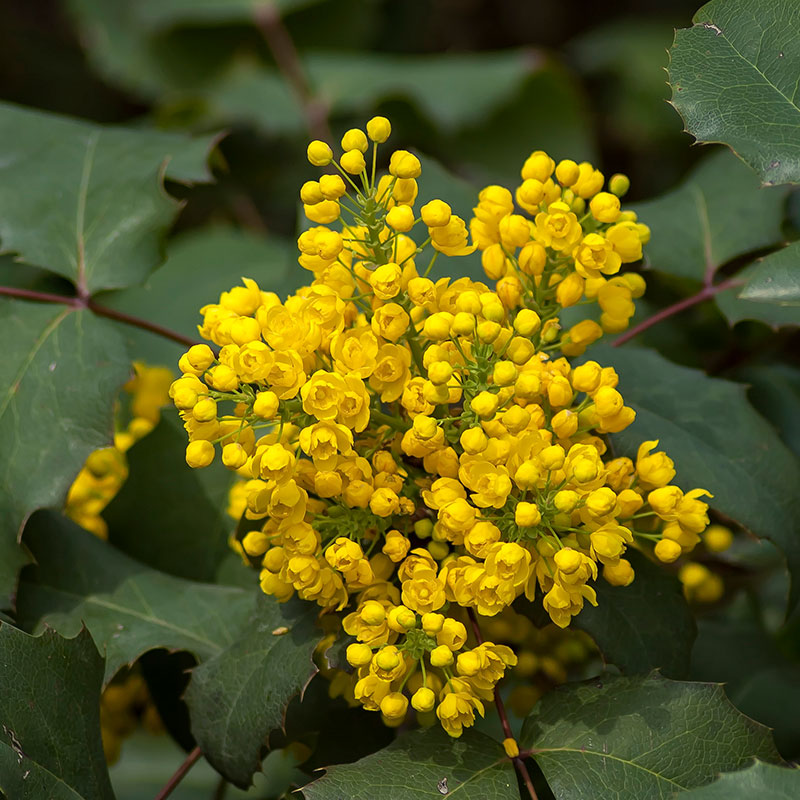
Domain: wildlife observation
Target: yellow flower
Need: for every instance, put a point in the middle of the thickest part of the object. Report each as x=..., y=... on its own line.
x=557, y=228
x=391, y=371
x=424, y=592
x=324, y=441
x=353, y=409
x=457, y=707
x=452, y=239
x=490, y=484
x=322, y=394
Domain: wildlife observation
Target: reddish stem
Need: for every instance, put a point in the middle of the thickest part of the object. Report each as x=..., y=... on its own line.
x=519, y=762
x=180, y=774
x=41, y=297
x=102, y=311
x=268, y=21
x=137, y=322
x=704, y=294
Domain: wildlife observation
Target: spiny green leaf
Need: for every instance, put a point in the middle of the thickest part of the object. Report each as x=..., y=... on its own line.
x=736, y=308
x=734, y=80
x=759, y=781
x=236, y=698
x=776, y=278
x=423, y=765
x=643, y=737
x=127, y=607
x=187, y=527
x=95, y=194
x=50, y=710
x=644, y=626
x=60, y=372
x=717, y=441
x=717, y=214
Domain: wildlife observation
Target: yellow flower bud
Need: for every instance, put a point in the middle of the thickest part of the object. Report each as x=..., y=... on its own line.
x=423, y=699
x=667, y=550
x=527, y=322
x=484, y=404
x=234, y=455
x=437, y=326
x=463, y=324
x=358, y=654
x=516, y=419
x=619, y=574
x=266, y=405
x=205, y=409
x=199, y=454
x=488, y=331
x=355, y=139
x=394, y=705
x=526, y=515
x=423, y=528
x=311, y=192
x=324, y=212
x=373, y=613
x=441, y=656
x=527, y=474
x=440, y=372
x=717, y=538
x=379, y=129
x=619, y=184
x=567, y=172
x=402, y=619
x=332, y=187
x=511, y=747
x=435, y=214
x=566, y=500
x=425, y=427
x=400, y=218
x=532, y=259
x=432, y=623
x=353, y=162
x=553, y=456
x=403, y=164
x=605, y=207
x=200, y=356
x=319, y=153
x=468, y=663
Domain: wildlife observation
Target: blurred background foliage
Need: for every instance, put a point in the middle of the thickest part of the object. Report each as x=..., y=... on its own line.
x=475, y=85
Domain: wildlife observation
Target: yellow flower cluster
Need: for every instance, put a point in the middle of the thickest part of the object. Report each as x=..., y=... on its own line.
x=426, y=446
x=126, y=706
x=106, y=469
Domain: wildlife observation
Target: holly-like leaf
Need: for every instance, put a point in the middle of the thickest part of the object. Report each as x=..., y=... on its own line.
x=200, y=265
x=760, y=780
x=50, y=711
x=236, y=698
x=422, y=765
x=127, y=607
x=644, y=626
x=95, y=192
x=642, y=737
x=736, y=307
x=776, y=278
x=184, y=517
x=700, y=226
x=775, y=392
x=60, y=371
x=734, y=80
x=717, y=441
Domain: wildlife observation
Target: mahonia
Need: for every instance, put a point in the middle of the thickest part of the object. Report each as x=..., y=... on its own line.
x=418, y=448
x=106, y=469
